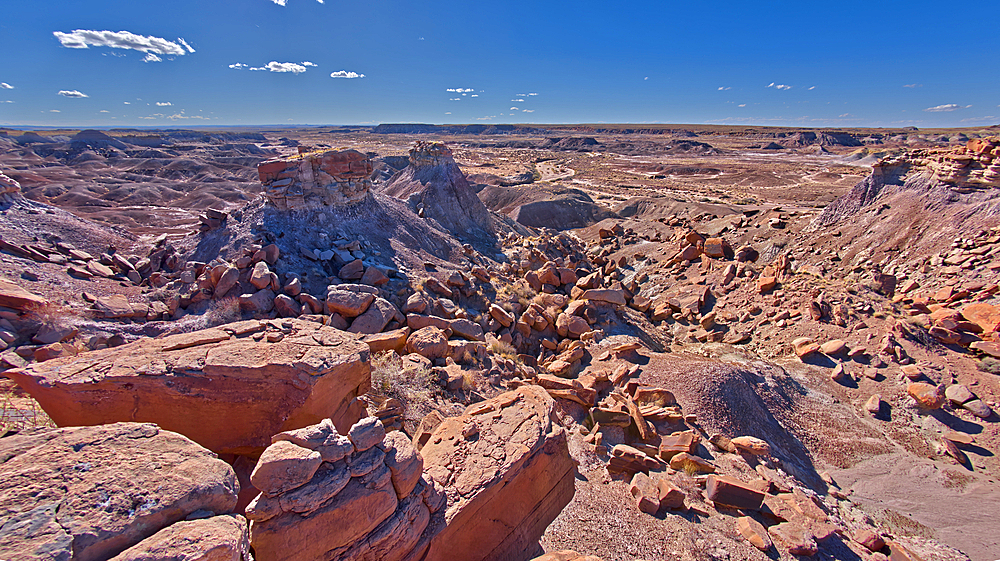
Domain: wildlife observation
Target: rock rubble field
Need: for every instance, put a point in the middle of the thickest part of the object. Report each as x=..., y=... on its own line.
x=442, y=343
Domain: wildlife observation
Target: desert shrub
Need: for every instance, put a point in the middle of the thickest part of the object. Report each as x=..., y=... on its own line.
x=18, y=412
x=413, y=387
x=989, y=364
x=221, y=312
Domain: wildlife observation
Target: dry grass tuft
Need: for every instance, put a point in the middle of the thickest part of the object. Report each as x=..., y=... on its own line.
x=414, y=388
x=18, y=411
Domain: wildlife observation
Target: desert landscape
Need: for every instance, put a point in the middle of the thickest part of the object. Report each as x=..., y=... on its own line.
x=500, y=341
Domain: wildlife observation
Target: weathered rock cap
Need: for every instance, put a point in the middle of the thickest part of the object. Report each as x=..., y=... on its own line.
x=192, y=383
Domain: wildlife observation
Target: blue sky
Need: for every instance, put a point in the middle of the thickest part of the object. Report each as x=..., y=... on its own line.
x=804, y=63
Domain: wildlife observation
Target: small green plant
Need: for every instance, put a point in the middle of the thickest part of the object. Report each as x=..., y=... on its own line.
x=503, y=349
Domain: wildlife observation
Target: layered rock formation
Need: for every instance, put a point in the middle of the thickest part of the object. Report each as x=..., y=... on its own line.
x=435, y=187
x=502, y=469
x=328, y=496
x=312, y=179
x=227, y=388
x=88, y=493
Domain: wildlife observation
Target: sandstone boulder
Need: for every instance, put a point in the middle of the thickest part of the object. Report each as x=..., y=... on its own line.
x=927, y=395
x=430, y=342
x=90, y=493
x=376, y=317
x=506, y=468
x=192, y=383
x=348, y=304
x=372, y=503
x=218, y=538
x=13, y=296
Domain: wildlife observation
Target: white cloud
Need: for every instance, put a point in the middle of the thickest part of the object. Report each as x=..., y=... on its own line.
x=913, y=85
x=84, y=38
x=842, y=115
x=127, y=102
x=518, y=100
x=7, y=101
x=646, y=78
x=986, y=118
x=513, y=109
x=946, y=107
x=724, y=88
x=532, y=94
x=742, y=105
x=307, y=63
x=163, y=103
x=150, y=57
x=447, y=112
x=280, y=2
x=811, y=88
x=520, y=95
x=485, y=118
x=239, y=66
x=104, y=111
x=779, y=86
x=474, y=95
x=454, y=99
x=346, y=74
x=460, y=90
x=72, y=93
x=528, y=110
x=420, y=39
x=6, y=86
x=54, y=111
x=275, y=66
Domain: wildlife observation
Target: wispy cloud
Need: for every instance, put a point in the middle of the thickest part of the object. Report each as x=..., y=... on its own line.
x=460, y=90
x=490, y=118
x=724, y=88
x=811, y=88
x=285, y=2
x=913, y=85
x=54, y=111
x=307, y=63
x=5, y=86
x=85, y=38
x=513, y=109
x=533, y=93
x=742, y=105
x=150, y=57
x=104, y=111
x=72, y=93
x=454, y=99
x=779, y=86
x=528, y=110
x=474, y=95
x=984, y=118
x=275, y=66
x=127, y=102
x=518, y=100
x=239, y=66
x=6, y=101
x=946, y=107
x=844, y=115
x=163, y=103
x=346, y=74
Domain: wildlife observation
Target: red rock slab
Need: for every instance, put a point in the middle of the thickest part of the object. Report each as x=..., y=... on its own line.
x=732, y=492
x=217, y=537
x=227, y=395
x=88, y=493
x=13, y=296
x=506, y=481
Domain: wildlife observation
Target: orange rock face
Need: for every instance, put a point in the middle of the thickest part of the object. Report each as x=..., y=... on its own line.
x=316, y=178
x=506, y=468
x=219, y=387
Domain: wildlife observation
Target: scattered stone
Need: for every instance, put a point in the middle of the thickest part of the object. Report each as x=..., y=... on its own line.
x=284, y=466
x=926, y=395
x=728, y=491
x=804, y=346
x=751, y=445
x=795, y=538
x=754, y=532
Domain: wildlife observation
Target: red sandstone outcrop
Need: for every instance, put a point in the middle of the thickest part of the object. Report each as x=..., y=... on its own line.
x=227, y=388
x=331, y=496
x=506, y=468
x=311, y=179
x=502, y=469
x=88, y=493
